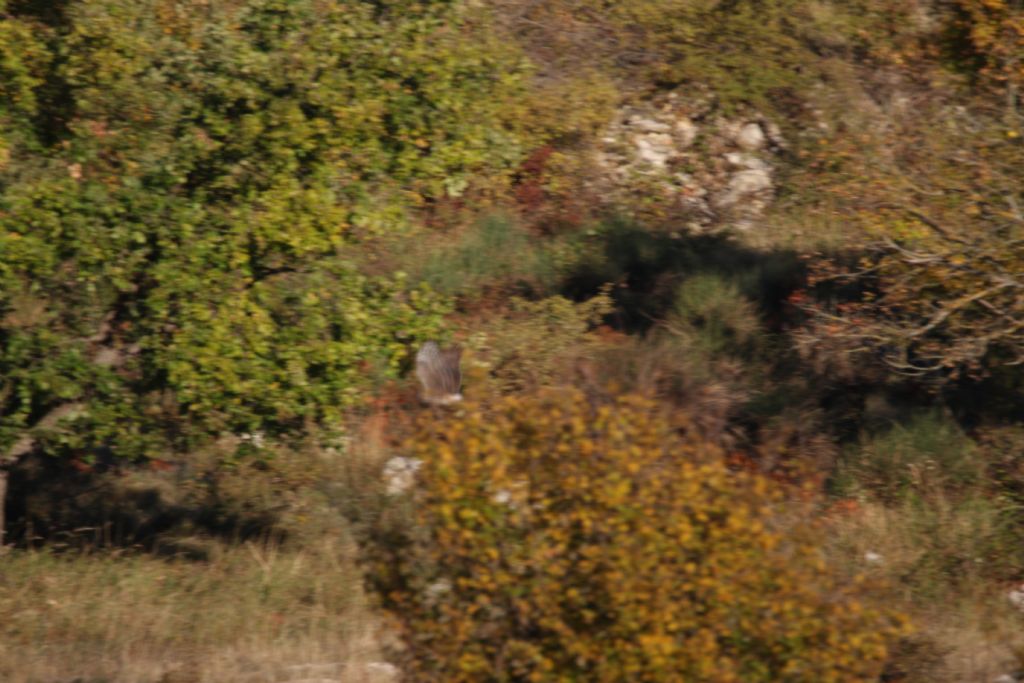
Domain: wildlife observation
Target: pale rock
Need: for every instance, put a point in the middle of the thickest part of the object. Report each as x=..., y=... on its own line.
x=257, y=439
x=750, y=136
x=108, y=357
x=502, y=497
x=661, y=141
x=746, y=161
x=742, y=185
x=900, y=104
x=685, y=131
x=1016, y=597
x=1005, y=678
x=313, y=672
x=872, y=557
x=734, y=190
x=438, y=589
x=649, y=125
x=400, y=474
x=654, y=148
x=370, y=672
x=775, y=135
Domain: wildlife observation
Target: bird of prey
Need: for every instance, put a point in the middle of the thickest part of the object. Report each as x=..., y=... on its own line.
x=440, y=374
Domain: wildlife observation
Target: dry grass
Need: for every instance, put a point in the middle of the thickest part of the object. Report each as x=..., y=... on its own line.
x=931, y=558
x=799, y=229
x=251, y=613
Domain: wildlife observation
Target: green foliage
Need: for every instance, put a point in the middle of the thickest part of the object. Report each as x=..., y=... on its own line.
x=746, y=51
x=948, y=563
x=714, y=316
x=1004, y=455
x=951, y=504
x=927, y=455
x=757, y=53
x=179, y=184
x=537, y=343
x=23, y=63
x=562, y=539
x=279, y=354
x=495, y=252
x=956, y=542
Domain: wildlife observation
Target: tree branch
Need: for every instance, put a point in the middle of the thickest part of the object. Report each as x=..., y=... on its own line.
x=952, y=308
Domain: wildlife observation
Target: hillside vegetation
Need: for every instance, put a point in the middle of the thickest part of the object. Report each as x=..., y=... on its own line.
x=739, y=286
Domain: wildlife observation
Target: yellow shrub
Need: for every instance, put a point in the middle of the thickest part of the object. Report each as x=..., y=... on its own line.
x=560, y=539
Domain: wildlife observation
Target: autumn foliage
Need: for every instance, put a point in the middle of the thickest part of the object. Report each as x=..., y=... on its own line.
x=559, y=538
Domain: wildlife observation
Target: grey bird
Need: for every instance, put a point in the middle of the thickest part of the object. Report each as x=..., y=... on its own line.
x=440, y=374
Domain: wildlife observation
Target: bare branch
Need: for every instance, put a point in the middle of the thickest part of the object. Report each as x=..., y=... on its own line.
x=921, y=217
x=952, y=308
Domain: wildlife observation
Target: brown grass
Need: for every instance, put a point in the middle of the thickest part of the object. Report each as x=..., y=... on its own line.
x=967, y=630
x=251, y=613
x=257, y=611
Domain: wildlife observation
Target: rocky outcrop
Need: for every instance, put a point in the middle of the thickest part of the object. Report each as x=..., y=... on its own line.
x=708, y=171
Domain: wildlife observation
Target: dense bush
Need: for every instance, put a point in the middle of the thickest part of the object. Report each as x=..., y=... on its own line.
x=562, y=539
x=179, y=187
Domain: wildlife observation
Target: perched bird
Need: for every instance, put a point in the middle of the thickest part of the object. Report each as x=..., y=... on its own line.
x=440, y=374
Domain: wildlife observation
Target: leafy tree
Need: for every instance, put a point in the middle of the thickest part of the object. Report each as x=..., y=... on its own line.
x=940, y=280
x=180, y=185
x=926, y=186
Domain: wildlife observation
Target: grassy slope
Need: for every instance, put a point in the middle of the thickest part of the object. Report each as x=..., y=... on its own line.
x=251, y=612
x=948, y=548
